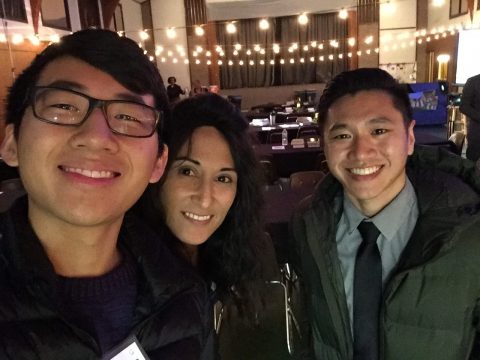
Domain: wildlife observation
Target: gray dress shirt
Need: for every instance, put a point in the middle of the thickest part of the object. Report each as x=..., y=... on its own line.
x=396, y=223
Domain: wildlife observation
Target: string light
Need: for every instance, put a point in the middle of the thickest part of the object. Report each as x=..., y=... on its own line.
x=264, y=24
x=231, y=28
x=34, y=40
x=343, y=14
x=171, y=33
x=199, y=31
x=17, y=39
x=400, y=41
x=369, y=39
x=55, y=38
x=143, y=35
x=303, y=19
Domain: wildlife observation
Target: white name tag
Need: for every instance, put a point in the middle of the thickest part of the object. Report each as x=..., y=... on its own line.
x=129, y=349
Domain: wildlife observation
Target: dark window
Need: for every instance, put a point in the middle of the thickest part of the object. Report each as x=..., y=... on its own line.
x=89, y=14
x=55, y=14
x=458, y=8
x=13, y=10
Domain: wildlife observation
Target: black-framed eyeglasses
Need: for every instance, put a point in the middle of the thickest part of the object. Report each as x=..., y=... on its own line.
x=67, y=107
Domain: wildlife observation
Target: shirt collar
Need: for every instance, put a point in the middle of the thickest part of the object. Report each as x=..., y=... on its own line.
x=398, y=209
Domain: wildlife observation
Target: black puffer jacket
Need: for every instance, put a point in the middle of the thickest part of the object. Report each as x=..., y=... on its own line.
x=172, y=318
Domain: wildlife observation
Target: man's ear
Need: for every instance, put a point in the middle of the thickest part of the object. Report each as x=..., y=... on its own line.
x=411, y=137
x=9, y=146
x=160, y=164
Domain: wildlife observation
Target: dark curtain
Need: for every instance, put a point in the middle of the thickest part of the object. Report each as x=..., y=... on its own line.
x=14, y=10
x=321, y=28
x=248, y=35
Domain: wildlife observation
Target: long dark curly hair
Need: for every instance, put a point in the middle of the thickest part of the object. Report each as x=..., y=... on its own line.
x=229, y=256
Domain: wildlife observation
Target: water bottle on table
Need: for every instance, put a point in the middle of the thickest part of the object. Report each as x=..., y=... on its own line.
x=284, y=137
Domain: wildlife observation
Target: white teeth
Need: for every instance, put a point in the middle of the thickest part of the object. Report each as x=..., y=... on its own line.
x=90, y=173
x=365, y=171
x=197, y=217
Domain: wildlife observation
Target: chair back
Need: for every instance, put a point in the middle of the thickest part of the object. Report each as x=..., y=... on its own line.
x=269, y=172
x=275, y=136
x=306, y=179
x=308, y=131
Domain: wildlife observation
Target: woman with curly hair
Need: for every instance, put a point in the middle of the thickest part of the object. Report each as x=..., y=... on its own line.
x=210, y=197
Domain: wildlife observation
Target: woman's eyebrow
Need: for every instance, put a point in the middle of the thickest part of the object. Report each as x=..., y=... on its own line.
x=196, y=162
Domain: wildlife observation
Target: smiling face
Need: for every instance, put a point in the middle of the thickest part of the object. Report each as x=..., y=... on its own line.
x=366, y=147
x=200, y=187
x=83, y=176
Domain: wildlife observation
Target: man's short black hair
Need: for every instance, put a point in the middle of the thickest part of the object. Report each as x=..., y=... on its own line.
x=171, y=78
x=351, y=82
x=105, y=50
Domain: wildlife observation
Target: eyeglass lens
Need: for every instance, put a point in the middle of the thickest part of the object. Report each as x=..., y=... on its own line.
x=70, y=108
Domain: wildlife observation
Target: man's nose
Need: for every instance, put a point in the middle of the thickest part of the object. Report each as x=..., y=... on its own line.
x=95, y=133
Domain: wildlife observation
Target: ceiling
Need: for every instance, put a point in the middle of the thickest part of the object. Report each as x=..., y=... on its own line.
x=244, y=9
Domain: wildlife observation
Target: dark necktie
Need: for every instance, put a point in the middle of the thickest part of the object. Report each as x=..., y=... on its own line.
x=367, y=294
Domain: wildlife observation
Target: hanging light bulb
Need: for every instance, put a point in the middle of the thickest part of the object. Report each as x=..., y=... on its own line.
x=171, y=33
x=303, y=19
x=199, y=31
x=17, y=39
x=264, y=24
x=54, y=38
x=34, y=40
x=231, y=28
x=343, y=14
x=143, y=35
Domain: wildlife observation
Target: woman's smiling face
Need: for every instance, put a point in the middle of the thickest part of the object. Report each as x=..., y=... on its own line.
x=200, y=187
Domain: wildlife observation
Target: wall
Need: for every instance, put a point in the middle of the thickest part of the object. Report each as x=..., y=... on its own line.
x=244, y=9
x=171, y=13
x=132, y=19
x=273, y=94
x=398, y=22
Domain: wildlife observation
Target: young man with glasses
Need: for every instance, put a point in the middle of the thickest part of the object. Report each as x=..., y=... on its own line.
x=81, y=277
x=388, y=246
